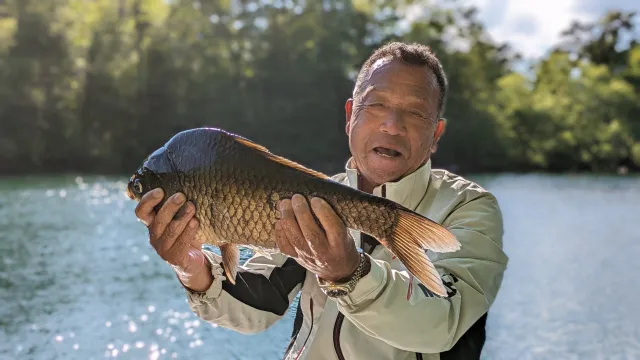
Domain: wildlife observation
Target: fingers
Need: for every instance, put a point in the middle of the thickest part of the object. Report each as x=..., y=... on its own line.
x=283, y=243
x=291, y=229
x=182, y=251
x=165, y=215
x=144, y=210
x=172, y=231
x=332, y=224
x=313, y=233
x=175, y=230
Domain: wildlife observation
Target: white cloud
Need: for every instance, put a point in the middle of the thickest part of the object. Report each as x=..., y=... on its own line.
x=531, y=27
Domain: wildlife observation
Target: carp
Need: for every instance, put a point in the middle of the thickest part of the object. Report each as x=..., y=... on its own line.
x=236, y=185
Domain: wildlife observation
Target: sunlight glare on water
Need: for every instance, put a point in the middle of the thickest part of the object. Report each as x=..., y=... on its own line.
x=78, y=279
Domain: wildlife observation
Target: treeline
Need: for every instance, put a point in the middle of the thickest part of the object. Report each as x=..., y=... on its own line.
x=95, y=86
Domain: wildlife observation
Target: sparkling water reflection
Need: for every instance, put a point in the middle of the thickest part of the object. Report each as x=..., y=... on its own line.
x=79, y=281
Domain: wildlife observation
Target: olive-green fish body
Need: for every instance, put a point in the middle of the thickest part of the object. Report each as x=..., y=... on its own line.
x=237, y=184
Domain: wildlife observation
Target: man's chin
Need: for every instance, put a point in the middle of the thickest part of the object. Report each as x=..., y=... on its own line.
x=385, y=171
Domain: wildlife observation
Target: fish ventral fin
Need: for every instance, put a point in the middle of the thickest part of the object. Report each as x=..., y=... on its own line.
x=279, y=159
x=411, y=235
x=230, y=260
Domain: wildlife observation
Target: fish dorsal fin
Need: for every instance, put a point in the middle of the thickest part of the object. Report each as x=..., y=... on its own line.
x=251, y=144
x=279, y=159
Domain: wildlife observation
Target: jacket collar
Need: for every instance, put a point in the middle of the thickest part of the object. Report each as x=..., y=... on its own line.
x=407, y=191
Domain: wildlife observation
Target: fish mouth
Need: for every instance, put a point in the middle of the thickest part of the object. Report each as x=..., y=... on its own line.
x=387, y=151
x=129, y=193
x=129, y=190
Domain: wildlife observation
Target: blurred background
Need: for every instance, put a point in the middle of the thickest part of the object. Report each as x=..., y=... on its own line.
x=543, y=110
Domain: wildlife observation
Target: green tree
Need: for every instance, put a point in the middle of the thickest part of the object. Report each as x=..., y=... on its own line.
x=98, y=85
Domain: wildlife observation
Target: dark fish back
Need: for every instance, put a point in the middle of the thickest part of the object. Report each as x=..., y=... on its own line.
x=236, y=189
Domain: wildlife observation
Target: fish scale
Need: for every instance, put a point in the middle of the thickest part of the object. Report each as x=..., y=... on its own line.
x=236, y=185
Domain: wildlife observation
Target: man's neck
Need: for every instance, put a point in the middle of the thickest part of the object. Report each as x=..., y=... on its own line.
x=366, y=185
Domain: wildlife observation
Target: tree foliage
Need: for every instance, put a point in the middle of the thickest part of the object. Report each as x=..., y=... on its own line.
x=97, y=85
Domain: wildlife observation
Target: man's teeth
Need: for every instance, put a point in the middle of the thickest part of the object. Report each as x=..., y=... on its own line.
x=386, y=152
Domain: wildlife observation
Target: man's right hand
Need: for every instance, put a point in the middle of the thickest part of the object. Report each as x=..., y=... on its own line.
x=172, y=233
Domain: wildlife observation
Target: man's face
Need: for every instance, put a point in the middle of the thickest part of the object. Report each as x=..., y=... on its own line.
x=392, y=125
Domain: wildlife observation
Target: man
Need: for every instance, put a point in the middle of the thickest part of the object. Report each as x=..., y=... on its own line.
x=394, y=124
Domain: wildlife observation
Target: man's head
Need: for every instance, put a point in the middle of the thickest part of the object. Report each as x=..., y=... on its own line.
x=394, y=119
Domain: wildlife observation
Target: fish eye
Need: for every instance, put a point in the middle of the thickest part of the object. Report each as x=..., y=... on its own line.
x=137, y=186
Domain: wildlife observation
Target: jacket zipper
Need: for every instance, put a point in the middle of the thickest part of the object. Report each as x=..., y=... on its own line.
x=310, y=329
x=340, y=317
x=336, y=336
x=338, y=324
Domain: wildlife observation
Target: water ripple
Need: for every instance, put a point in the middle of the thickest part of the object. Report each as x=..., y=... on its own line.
x=78, y=279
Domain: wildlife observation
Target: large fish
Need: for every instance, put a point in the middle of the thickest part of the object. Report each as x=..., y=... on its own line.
x=236, y=185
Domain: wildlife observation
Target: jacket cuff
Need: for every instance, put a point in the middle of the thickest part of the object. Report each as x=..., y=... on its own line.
x=214, y=291
x=369, y=286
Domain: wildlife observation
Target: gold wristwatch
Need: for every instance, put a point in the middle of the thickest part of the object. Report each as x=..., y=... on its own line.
x=344, y=288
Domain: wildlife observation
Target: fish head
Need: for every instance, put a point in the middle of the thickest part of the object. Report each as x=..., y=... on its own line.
x=157, y=171
x=141, y=182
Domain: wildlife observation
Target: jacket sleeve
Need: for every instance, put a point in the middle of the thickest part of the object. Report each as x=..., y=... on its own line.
x=264, y=289
x=427, y=323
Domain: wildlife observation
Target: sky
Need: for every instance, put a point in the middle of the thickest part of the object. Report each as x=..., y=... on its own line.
x=533, y=26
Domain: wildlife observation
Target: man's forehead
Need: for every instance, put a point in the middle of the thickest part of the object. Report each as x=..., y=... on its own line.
x=392, y=70
x=409, y=85
x=378, y=64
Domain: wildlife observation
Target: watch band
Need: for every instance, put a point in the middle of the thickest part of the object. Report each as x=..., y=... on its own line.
x=340, y=289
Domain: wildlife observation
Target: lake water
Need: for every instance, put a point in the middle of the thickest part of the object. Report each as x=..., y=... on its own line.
x=78, y=279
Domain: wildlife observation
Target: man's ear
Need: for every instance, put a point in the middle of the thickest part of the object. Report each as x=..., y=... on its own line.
x=348, y=110
x=440, y=127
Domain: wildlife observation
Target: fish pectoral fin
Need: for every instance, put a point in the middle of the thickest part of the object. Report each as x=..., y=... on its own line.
x=411, y=235
x=281, y=160
x=230, y=260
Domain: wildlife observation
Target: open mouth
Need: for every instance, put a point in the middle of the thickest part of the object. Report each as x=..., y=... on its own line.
x=386, y=152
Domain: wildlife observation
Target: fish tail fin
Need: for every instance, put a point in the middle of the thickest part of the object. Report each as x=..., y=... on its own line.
x=230, y=260
x=410, y=236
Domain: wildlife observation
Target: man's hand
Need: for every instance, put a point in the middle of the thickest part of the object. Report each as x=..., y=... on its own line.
x=174, y=239
x=326, y=249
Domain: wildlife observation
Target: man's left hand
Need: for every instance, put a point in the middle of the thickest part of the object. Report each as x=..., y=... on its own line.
x=326, y=249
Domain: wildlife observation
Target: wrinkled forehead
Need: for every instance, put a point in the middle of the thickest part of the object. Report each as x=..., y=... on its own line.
x=400, y=83
x=391, y=76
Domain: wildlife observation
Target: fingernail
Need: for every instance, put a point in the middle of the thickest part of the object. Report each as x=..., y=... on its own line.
x=297, y=200
x=193, y=223
x=178, y=198
x=157, y=193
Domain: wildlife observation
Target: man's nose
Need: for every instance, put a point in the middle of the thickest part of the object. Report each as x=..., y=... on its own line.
x=393, y=124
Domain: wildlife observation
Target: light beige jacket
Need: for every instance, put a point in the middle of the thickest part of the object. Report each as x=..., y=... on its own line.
x=378, y=321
